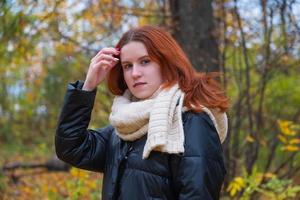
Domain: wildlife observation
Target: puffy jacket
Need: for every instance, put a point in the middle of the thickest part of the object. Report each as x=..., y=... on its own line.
x=198, y=173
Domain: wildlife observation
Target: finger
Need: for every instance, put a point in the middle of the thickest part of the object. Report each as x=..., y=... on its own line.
x=105, y=57
x=111, y=60
x=111, y=66
x=108, y=50
x=102, y=64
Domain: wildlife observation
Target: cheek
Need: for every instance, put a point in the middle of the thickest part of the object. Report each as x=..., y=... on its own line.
x=158, y=76
x=126, y=78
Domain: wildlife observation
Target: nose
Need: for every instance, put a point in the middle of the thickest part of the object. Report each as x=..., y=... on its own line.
x=136, y=72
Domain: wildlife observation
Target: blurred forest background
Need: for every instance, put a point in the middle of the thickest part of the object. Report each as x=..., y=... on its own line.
x=44, y=44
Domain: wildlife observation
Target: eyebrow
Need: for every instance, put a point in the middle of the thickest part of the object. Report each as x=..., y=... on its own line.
x=124, y=62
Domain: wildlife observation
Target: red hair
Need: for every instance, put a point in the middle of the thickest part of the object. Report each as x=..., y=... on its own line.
x=199, y=88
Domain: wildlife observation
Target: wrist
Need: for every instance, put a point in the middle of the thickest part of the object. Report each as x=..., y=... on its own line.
x=87, y=87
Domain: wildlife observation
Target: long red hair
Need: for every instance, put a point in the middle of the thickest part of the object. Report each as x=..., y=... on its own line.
x=199, y=88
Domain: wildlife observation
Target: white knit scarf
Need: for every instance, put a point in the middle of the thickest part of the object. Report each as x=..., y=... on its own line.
x=158, y=116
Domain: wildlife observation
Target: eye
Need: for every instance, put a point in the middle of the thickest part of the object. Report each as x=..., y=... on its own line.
x=127, y=66
x=145, y=61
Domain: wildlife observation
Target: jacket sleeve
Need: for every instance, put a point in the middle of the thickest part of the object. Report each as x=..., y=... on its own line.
x=200, y=171
x=74, y=143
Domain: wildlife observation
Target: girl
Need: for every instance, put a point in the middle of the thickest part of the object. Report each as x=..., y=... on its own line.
x=166, y=125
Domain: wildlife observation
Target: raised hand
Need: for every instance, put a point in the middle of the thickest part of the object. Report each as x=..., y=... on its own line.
x=99, y=67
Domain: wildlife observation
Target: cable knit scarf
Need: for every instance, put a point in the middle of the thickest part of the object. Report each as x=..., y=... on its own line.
x=159, y=117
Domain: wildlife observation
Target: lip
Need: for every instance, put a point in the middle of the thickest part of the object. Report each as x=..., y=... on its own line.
x=138, y=83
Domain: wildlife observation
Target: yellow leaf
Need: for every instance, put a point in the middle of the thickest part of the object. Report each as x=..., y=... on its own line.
x=83, y=190
x=27, y=190
x=249, y=138
x=295, y=141
x=53, y=190
x=233, y=191
x=73, y=171
x=289, y=132
x=143, y=21
x=282, y=138
x=236, y=185
x=286, y=127
x=78, y=173
x=258, y=177
x=269, y=175
x=240, y=181
x=91, y=184
x=290, y=148
x=82, y=174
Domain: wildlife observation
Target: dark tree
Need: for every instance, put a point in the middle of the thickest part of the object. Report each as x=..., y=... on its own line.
x=193, y=26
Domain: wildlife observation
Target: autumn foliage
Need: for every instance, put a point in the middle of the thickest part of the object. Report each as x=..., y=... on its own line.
x=46, y=44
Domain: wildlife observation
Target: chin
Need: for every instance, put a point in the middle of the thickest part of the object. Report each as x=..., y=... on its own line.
x=141, y=95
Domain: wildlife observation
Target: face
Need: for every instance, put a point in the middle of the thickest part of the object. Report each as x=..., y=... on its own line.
x=142, y=75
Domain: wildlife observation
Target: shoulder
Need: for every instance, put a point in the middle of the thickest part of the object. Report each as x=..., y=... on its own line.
x=201, y=137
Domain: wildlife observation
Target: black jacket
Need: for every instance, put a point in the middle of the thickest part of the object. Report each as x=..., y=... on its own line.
x=196, y=174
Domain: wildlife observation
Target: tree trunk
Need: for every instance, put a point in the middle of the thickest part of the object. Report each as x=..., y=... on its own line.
x=193, y=26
